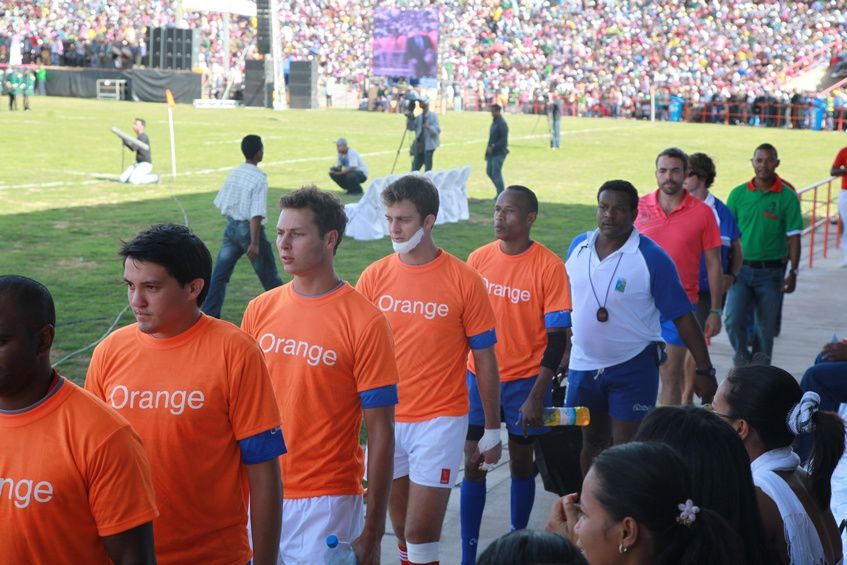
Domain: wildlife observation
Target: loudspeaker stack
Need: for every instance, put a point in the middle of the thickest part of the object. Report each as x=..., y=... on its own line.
x=303, y=85
x=172, y=48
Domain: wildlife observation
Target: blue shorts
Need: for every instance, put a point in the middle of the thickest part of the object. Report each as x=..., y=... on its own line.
x=512, y=395
x=626, y=391
x=670, y=334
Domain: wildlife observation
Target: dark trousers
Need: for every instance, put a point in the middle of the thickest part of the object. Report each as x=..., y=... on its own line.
x=351, y=182
x=422, y=160
x=235, y=242
x=13, y=101
x=494, y=170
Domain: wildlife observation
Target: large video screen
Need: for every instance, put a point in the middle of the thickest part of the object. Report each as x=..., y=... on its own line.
x=405, y=43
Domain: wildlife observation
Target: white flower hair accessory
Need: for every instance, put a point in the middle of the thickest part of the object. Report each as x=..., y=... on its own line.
x=687, y=513
x=799, y=418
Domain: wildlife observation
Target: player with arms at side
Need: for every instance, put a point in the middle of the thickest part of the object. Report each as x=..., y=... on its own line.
x=197, y=391
x=438, y=309
x=331, y=358
x=529, y=292
x=74, y=481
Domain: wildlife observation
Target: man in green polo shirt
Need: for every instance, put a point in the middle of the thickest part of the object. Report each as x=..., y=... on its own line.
x=768, y=213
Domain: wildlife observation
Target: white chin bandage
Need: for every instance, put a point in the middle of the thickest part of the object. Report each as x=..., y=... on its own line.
x=409, y=244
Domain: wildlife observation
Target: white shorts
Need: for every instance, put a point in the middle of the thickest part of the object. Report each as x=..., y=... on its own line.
x=306, y=523
x=430, y=452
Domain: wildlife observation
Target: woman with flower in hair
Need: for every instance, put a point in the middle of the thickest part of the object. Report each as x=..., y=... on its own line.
x=636, y=508
x=768, y=409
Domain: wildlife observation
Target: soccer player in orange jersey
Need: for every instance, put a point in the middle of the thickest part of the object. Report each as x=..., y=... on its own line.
x=75, y=484
x=331, y=360
x=439, y=310
x=530, y=294
x=197, y=391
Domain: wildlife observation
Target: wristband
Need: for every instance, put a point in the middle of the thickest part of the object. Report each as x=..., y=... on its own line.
x=489, y=440
x=717, y=311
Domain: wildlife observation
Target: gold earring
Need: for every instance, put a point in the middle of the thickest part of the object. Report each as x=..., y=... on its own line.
x=622, y=548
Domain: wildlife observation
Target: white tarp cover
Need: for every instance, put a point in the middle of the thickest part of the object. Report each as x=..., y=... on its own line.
x=366, y=218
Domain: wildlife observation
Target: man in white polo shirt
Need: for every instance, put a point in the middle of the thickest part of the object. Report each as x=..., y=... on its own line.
x=622, y=283
x=349, y=171
x=243, y=200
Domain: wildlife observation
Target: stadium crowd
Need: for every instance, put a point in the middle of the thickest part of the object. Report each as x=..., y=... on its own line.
x=602, y=56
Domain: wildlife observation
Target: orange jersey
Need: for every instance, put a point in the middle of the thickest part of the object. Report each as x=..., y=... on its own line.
x=71, y=471
x=324, y=354
x=191, y=398
x=437, y=311
x=530, y=294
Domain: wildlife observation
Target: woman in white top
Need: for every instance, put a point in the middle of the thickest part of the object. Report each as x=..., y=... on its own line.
x=767, y=408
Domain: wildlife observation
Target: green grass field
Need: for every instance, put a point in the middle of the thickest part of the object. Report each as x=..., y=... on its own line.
x=62, y=219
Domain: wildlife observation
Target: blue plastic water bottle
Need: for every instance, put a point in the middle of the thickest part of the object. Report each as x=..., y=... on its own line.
x=339, y=552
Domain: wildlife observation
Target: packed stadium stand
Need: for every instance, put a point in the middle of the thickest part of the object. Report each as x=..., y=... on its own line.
x=603, y=57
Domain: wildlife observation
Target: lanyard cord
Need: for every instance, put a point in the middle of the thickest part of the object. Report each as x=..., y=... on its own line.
x=608, y=288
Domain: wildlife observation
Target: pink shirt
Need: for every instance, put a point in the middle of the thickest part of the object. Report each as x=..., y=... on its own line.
x=684, y=234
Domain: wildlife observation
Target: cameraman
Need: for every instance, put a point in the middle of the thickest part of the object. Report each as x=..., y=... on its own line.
x=427, y=132
x=350, y=170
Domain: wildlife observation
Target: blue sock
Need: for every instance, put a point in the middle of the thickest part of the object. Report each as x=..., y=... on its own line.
x=523, y=495
x=471, y=505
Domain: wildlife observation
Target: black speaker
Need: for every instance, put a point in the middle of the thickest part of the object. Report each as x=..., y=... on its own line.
x=303, y=84
x=258, y=84
x=263, y=23
x=172, y=48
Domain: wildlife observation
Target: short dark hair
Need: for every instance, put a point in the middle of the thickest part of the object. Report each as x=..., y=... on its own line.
x=767, y=147
x=417, y=189
x=623, y=186
x=703, y=165
x=327, y=208
x=674, y=153
x=527, y=195
x=250, y=145
x=176, y=248
x=497, y=107
x=531, y=548
x=143, y=123
x=34, y=301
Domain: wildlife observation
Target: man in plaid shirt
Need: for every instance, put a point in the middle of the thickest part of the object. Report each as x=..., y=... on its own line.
x=243, y=199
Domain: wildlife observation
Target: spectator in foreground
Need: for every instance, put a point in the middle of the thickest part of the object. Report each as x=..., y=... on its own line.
x=828, y=376
x=720, y=470
x=767, y=409
x=531, y=548
x=637, y=502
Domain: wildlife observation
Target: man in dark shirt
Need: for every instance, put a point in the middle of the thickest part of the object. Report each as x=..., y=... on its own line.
x=554, y=114
x=141, y=171
x=498, y=147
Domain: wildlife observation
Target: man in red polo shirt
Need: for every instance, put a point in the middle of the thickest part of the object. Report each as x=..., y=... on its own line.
x=839, y=169
x=685, y=228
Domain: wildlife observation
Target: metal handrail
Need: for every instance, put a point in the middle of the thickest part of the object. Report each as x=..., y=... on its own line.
x=817, y=221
